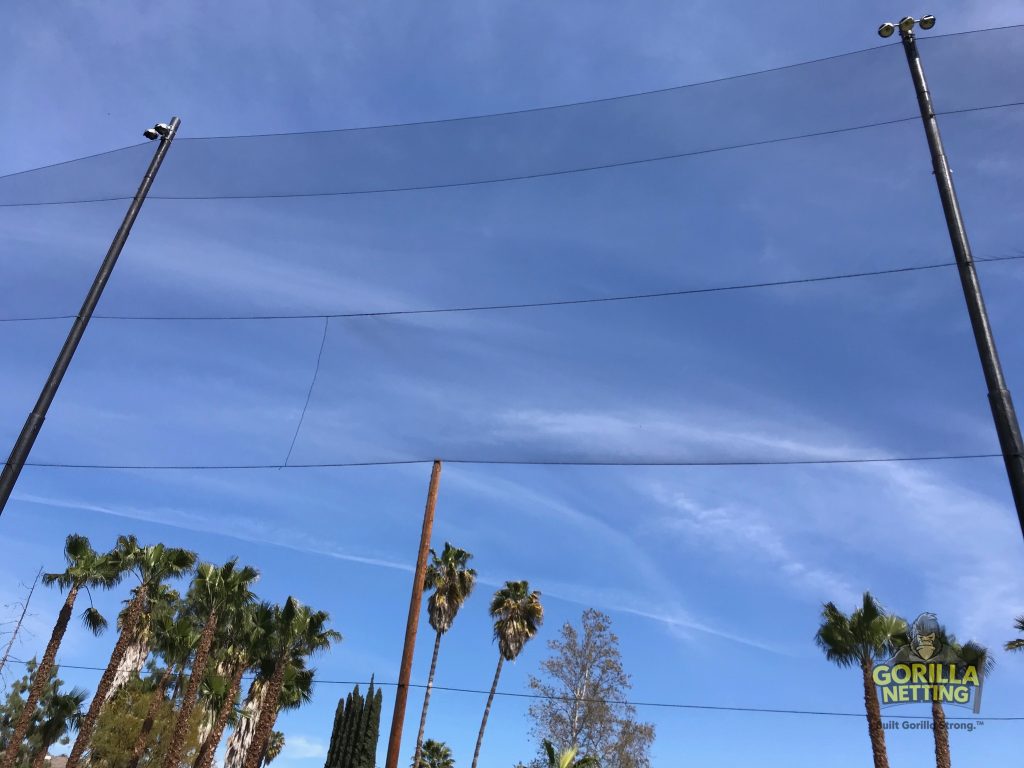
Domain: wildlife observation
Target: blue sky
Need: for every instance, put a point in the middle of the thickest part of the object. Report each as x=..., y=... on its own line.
x=713, y=576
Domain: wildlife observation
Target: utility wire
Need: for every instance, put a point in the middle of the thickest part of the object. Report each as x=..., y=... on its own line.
x=525, y=176
x=660, y=704
x=535, y=463
x=525, y=305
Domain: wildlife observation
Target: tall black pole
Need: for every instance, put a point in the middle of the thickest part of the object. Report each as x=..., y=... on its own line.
x=34, y=422
x=1005, y=418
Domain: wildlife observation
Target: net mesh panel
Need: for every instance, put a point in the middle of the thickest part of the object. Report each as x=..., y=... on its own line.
x=603, y=382
x=841, y=369
x=829, y=95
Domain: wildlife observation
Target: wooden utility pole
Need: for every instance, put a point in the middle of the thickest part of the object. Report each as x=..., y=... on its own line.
x=405, y=672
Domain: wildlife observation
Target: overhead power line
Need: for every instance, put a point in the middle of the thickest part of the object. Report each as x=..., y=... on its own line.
x=535, y=463
x=524, y=176
x=524, y=305
x=658, y=704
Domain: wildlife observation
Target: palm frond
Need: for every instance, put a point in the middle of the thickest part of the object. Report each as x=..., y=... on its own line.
x=94, y=620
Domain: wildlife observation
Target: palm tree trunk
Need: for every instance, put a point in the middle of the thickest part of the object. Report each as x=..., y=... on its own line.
x=487, y=711
x=132, y=662
x=139, y=749
x=874, y=712
x=39, y=758
x=426, y=702
x=942, y=757
x=188, y=701
x=241, y=738
x=205, y=757
x=268, y=715
x=88, y=725
x=40, y=679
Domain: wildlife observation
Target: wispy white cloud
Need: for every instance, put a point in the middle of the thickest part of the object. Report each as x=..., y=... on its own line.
x=298, y=747
x=219, y=525
x=840, y=532
x=646, y=591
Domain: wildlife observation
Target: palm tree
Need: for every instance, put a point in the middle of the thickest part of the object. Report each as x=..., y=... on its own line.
x=153, y=565
x=299, y=632
x=939, y=732
x=864, y=637
x=61, y=712
x=174, y=637
x=86, y=568
x=245, y=643
x=976, y=655
x=296, y=690
x=161, y=599
x=1018, y=643
x=452, y=583
x=435, y=754
x=517, y=615
x=275, y=744
x=214, y=591
x=241, y=736
x=567, y=758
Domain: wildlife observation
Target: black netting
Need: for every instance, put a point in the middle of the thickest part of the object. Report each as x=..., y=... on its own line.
x=850, y=368
x=594, y=382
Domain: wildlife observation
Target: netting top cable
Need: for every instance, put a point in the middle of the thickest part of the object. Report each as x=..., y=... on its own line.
x=825, y=97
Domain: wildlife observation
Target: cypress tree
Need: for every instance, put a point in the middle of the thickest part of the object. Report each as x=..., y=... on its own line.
x=355, y=707
x=332, y=752
x=356, y=730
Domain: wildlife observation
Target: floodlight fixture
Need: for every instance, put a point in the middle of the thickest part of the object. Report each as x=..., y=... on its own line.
x=886, y=30
x=151, y=133
x=162, y=128
x=927, y=22
x=907, y=24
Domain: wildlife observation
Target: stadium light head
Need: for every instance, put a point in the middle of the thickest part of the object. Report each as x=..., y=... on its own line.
x=151, y=133
x=886, y=29
x=907, y=24
x=927, y=22
x=162, y=128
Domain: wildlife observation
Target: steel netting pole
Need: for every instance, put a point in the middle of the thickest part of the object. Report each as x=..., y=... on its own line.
x=1007, y=426
x=19, y=454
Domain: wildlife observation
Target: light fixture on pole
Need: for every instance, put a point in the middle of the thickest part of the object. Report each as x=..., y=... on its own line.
x=1007, y=427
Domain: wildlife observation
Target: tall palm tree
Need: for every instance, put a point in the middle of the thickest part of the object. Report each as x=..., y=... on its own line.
x=866, y=636
x=162, y=599
x=296, y=690
x=214, y=591
x=299, y=632
x=517, y=615
x=174, y=637
x=153, y=565
x=275, y=745
x=241, y=736
x=971, y=654
x=61, y=712
x=452, y=582
x=86, y=569
x=976, y=655
x=1017, y=644
x=939, y=732
x=246, y=642
x=435, y=754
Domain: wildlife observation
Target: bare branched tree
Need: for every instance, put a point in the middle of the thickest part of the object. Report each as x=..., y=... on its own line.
x=585, y=688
